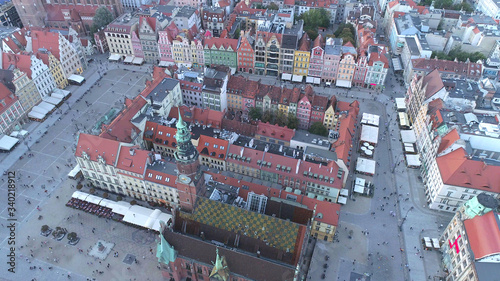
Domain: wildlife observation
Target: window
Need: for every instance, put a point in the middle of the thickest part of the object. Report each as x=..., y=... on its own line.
x=207, y=144
x=150, y=175
x=158, y=177
x=216, y=146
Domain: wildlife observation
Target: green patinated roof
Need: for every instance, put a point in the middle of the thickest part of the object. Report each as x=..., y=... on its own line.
x=164, y=251
x=278, y=233
x=474, y=208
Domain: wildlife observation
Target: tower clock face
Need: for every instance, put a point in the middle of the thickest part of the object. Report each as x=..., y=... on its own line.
x=184, y=178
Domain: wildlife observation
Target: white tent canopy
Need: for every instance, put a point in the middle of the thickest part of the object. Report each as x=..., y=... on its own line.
x=58, y=93
x=309, y=79
x=413, y=160
x=369, y=134
x=74, y=171
x=107, y=203
x=343, y=83
x=47, y=106
x=342, y=200
x=366, y=166
x=317, y=81
x=114, y=57
x=297, y=78
x=121, y=207
x=80, y=195
x=400, y=104
x=138, y=60
x=136, y=215
x=52, y=100
x=286, y=76
x=36, y=115
x=344, y=192
x=435, y=243
x=7, y=142
x=40, y=110
x=359, y=189
x=408, y=136
x=128, y=59
x=93, y=199
x=370, y=119
x=409, y=148
x=76, y=78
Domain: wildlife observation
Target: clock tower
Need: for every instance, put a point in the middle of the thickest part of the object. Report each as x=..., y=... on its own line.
x=189, y=183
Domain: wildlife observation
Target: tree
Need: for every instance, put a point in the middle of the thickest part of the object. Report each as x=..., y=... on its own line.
x=281, y=119
x=119, y=198
x=273, y=6
x=293, y=122
x=92, y=190
x=45, y=228
x=79, y=186
x=346, y=32
x=318, y=128
x=102, y=18
x=268, y=117
x=105, y=195
x=133, y=202
x=313, y=19
x=72, y=236
x=459, y=55
x=255, y=113
x=237, y=33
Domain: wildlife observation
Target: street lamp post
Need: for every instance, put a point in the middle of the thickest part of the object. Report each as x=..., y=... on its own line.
x=403, y=220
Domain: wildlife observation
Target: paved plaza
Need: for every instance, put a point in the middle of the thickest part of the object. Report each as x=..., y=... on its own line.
x=42, y=184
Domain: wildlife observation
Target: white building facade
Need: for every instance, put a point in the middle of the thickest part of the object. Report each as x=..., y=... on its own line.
x=41, y=76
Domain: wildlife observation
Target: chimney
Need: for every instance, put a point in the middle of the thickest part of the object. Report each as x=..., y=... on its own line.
x=132, y=152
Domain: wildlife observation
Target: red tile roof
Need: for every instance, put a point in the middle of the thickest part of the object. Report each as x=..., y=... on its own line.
x=162, y=135
x=96, y=146
x=121, y=127
x=483, y=233
x=20, y=35
x=206, y=147
x=305, y=43
x=12, y=45
x=318, y=42
x=275, y=131
x=200, y=115
x=467, y=69
x=375, y=56
x=7, y=97
x=224, y=42
x=448, y=140
x=133, y=159
x=458, y=170
x=21, y=61
x=166, y=179
x=46, y=40
x=434, y=83
x=346, y=130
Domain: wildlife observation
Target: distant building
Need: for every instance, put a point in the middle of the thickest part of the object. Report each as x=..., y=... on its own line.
x=12, y=113
x=9, y=15
x=214, y=91
x=119, y=35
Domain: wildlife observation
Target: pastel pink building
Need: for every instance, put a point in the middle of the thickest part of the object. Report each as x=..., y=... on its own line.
x=304, y=111
x=136, y=45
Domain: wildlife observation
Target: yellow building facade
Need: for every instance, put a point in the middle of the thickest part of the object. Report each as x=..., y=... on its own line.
x=330, y=120
x=57, y=72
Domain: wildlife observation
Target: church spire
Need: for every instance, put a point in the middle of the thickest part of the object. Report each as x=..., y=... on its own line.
x=220, y=270
x=186, y=154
